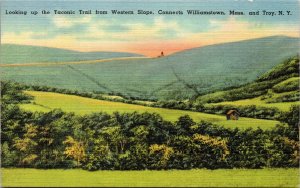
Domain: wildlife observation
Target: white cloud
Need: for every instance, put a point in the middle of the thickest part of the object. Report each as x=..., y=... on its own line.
x=97, y=30
x=148, y=38
x=149, y=31
x=69, y=21
x=234, y=30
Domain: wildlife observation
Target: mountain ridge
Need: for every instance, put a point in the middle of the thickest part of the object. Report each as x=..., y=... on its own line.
x=179, y=76
x=17, y=54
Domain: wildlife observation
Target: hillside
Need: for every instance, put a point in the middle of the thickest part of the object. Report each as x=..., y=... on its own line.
x=183, y=75
x=277, y=81
x=277, y=89
x=46, y=101
x=134, y=141
x=22, y=54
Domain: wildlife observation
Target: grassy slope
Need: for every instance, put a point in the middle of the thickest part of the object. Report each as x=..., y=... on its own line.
x=282, y=80
x=283, y=106
x=178, y=76
x=172, y=178
x=44, y=101
x=287, y=85
x=22, y=54
x=287, y=81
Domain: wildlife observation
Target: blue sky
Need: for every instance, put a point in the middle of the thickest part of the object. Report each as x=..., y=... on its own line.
x=140, y=33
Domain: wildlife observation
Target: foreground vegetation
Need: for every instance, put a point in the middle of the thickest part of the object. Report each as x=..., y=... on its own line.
x=137, y=141
x=108, y=135
x=46, y=101
x=170, y=178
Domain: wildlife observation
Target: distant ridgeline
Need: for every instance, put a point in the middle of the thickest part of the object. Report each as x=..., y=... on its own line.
x=19, y=54
x=183, y=75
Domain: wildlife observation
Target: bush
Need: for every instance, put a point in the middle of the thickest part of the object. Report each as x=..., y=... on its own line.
x=286, y=86
x=133, y=141
x=251, y=111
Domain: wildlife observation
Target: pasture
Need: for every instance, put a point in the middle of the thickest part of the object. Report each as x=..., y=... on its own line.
x=172, y=178
x=283, y=106
x=45, y=101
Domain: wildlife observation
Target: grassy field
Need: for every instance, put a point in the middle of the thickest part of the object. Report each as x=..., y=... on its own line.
x=283, y=106
x=172, y=178
x=287, y=81
x=45, y=101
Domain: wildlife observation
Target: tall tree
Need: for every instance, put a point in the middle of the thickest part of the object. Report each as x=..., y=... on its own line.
x=75, y=149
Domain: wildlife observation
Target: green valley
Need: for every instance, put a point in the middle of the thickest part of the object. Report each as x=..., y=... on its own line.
x=150, y=94
x=105, y=114
x=46, y=101
x=179, y=76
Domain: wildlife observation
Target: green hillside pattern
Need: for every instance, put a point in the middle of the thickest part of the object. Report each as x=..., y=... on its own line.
x=283, y=78
x=278, y=88
x=46, y=101
x=183, y=75
x=290, y=84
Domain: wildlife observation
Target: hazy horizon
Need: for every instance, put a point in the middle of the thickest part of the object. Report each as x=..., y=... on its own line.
x=143, y=34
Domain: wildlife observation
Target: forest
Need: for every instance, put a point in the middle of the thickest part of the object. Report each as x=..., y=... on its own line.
x=133, y=141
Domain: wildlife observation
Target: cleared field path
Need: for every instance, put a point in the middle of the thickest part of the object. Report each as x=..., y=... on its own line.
x=45, y=101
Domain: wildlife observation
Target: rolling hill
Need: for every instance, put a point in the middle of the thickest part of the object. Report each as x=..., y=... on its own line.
x=23, y=54
x=183, y=75
x=277, y=89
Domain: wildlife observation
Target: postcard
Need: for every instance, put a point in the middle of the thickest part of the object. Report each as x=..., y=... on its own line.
x=136, y=93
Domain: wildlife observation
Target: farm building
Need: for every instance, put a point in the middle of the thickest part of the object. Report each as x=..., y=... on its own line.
x=232, y=115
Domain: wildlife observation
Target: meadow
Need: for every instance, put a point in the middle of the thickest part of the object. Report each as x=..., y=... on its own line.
x=257, y=101
x=172, y=178
x=45, y=101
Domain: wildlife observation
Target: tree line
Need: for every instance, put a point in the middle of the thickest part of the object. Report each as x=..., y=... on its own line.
x=133, y=141
x=251, y=111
